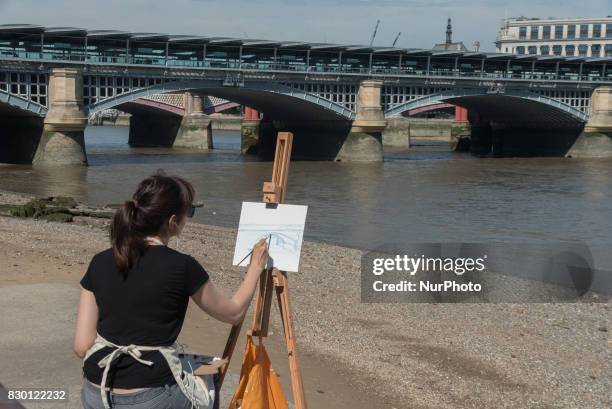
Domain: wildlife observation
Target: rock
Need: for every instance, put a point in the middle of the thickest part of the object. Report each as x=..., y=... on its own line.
x=54, y=208
x=58, y=217
x=64, y=201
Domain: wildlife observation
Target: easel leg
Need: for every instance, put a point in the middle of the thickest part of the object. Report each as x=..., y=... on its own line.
x=261, y=314
x=282, y=293
x=229, y=350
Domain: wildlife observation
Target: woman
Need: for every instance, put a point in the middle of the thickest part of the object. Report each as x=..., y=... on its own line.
x=136, y=294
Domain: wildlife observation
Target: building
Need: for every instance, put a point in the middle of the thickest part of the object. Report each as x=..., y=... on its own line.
x=448, y=45
x=582, y=37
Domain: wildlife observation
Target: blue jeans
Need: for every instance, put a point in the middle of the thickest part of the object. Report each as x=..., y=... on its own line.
x=164, y=397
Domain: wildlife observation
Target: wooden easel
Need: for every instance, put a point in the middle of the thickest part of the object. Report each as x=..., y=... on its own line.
x=273, y=279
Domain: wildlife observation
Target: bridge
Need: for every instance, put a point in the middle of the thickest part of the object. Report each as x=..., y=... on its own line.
x=338, y=100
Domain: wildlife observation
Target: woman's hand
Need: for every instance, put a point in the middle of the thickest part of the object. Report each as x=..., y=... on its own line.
x=259, y=257
x=232, y=310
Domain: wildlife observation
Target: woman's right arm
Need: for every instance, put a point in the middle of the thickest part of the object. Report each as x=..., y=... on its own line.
x=86, y=323
x=232, y=309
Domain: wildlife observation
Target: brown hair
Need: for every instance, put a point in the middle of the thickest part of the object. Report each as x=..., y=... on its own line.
x=156, y=199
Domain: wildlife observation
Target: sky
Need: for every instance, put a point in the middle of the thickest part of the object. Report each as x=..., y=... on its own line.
x=422, y=23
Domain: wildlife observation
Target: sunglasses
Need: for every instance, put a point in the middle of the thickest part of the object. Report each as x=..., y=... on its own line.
x=191, y=211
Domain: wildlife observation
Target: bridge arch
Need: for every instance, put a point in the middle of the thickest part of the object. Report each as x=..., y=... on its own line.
x=23, y=104
x=503, y=106
x=289, y=103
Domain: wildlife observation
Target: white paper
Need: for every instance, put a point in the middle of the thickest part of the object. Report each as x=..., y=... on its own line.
x=283, y=224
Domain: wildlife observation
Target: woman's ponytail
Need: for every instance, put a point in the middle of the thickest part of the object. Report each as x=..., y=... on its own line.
x=124, y=239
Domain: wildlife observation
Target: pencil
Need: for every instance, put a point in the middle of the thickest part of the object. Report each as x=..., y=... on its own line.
x=251, y=252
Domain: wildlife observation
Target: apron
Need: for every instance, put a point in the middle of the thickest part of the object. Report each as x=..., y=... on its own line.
x=199, y=389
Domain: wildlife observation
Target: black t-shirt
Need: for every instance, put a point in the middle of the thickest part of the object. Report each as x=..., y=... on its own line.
x=146, y=308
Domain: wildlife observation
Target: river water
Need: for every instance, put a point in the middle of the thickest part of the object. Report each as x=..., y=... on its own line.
x=411, y=196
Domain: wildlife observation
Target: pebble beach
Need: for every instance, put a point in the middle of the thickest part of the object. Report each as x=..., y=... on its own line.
x=360, y=355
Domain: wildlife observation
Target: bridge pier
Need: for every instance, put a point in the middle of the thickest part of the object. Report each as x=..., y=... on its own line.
x=195, y=130
x=63, y=137
x=596, y=139
x=397, y=133
x=364, y=141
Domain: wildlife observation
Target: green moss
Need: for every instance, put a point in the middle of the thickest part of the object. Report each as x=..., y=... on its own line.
x=8, y=209
x=48, y=208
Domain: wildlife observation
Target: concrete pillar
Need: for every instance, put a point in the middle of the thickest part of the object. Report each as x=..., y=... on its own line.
x=596, y=139
x=601, y=110
x=195, y=130
x=364, y=141
x=63, y=138
x=250, y=131
x=397, y=133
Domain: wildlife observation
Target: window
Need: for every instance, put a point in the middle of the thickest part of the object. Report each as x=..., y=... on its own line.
x=596, y=30
x=595, y=50
x=556, y=49
x=571, y=31
x=546, y=32
x=558, y=32
x=608, y=50
x=520, y=49
x=583, y=49
x=532, y=49
x=609, y=30
x=523, y=33
x=584, y=31
x=569, y=50
x=545, y=50
x=534, y=32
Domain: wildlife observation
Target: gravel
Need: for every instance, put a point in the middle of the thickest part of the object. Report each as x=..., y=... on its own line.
x=414, y=355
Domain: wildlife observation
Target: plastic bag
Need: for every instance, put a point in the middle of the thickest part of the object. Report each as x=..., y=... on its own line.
x=259, y=387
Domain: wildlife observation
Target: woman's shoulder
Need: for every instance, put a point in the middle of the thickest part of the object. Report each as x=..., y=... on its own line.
x=104, y=254
x=162, y=254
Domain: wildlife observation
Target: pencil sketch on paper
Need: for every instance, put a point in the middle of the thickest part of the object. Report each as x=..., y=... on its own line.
x=282, y=225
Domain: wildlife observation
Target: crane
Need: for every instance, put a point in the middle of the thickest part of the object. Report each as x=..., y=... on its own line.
x=374, y=34
x=396, y=38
